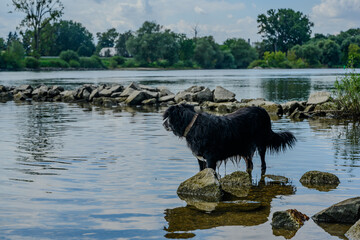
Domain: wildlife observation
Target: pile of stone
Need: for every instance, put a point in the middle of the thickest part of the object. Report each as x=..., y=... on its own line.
x=219, y=99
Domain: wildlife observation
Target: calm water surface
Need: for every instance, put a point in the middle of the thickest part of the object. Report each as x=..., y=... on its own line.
x=80, y=172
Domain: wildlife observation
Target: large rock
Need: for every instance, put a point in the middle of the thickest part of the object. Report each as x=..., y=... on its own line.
x=184, y=96
x=22, y=88
x=203, y=95
x=322, y=181
x=347, y=211
x=290, y=219
x=270, y=107
x=137, y=97
x=107, y=92
x=318, y=98
x=68, y=95
x=165, y=91
x=354, y=232
x=167, y=98
x=237, y=183
x=290, y=107
x=204, y=186
x=223, y=95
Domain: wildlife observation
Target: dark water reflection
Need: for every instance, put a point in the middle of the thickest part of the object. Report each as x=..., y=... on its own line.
x=71, y=171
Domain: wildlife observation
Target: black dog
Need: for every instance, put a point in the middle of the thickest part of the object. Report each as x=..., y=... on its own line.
x=219, y=138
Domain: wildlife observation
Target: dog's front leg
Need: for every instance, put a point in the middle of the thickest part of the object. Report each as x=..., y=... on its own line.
x=249, y=164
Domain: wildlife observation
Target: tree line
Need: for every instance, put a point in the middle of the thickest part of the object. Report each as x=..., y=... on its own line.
x=286, y=43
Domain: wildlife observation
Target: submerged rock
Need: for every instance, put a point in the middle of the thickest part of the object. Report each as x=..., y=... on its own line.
x=347, y=211
x=237, y=183
x=354, y=232
x=290, y=219
x=322, y=181
x=203, y=186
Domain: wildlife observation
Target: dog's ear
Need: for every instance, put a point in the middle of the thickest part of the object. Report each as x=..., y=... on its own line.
x=188, y=106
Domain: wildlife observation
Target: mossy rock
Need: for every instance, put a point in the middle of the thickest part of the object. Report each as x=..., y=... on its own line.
x=238, y=183
x=328, y=106
x=321, y=181
x=203, y=186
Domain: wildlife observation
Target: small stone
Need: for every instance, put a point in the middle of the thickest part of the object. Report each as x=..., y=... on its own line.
x=290, y=219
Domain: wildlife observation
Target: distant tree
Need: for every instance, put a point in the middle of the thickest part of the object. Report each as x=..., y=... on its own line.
x=70, y=35
x=243, y=53
x=330, y=52
x=38, y=14
x=121, y=44
x=11, y=38
x=151, y=43
x=14, y=55
x=311, y=53
x=187, y=46
x=344, y=47
x=207, y=53
x=284, y=28
x=106, y=39
x=2, y=44
x=354, y=54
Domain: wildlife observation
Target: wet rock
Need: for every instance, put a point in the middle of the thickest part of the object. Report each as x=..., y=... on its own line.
x=22, y=88
x=41, y=91
x=274, y=179
x=147, y=88
x=290, y=219
x=328, y=106
x=6, y=96
x=68, y=95
x=270, y=107
x=347, y=211
x=354, y=232
x=152, y=94
x=94, y=94
x=127, y=92
x=309, y=108
x=237, y=183
x=108, y=91
x=313, y=179
x=20, y=96
x=165, y=91
x=290, y=107
x=298, y=115
x=223, y=95
x=137, y=97
x=3, y=88
x=150, y=101
x=184, y=96
x=167, y=98
x=195, y=89
x=204, y=95
x=318, y=98
x=203, y=186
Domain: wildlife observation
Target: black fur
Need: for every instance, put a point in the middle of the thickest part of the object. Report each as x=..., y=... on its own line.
x=236, y=135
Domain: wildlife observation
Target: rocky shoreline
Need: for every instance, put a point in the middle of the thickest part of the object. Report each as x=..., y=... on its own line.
x=319, y=104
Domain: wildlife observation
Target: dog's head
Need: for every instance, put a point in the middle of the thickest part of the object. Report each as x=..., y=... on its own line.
x=177, y=117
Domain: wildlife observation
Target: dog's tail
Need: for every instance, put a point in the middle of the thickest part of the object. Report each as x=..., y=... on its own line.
x=280, y=141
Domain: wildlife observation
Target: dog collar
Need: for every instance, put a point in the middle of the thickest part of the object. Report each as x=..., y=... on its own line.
x=187, y=129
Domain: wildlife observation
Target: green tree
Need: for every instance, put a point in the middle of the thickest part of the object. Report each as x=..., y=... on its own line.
x=14, y=56
x=151, y=43
x=121, y=44
x=187, y=46
x=309, y=52
x=207, y=53
x=284, y=28
x=243, y=53
x=2, y=44
x=354, y=54
x=106, y=39
x=38, y=14
x=330, y=52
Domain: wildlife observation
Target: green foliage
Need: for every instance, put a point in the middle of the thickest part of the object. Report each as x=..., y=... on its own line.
x=151, y=44
x=354, y=55
x=121, y=44
x=12, y=58
x=106, y=39
x=31, y=62
x=330, y=52
x=38, y=14
x=284, y=28
x=91, y=62
x=53, y=63
x=310, y=53
x=130, y=63
x=207, y=53
x=74, y=64
x=242, y=52
x=119, y=60
x=69, y=55
x=347, y=91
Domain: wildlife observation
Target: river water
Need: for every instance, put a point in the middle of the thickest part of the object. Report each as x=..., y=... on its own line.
x=70, y=171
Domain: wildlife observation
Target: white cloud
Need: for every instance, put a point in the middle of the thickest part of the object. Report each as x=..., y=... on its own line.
x=199, y=10
x=333, y=16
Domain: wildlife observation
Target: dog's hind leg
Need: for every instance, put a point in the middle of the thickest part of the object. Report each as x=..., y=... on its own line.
x=262, y=152
x=211, y=164
x=249, y=164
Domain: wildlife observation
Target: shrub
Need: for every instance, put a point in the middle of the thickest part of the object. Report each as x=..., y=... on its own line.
x=53, y=63
x=91, y=62
x=74, y=64
x=120, y=60
x=113, y=63
x=163, y=63
x=131, y=63
x=31, y=62
x=347, y=91
x=69, y=55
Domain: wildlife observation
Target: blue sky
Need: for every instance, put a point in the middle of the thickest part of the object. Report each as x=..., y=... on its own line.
x=221, y=18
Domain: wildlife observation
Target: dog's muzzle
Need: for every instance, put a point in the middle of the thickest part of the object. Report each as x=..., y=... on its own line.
x=166, y=124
